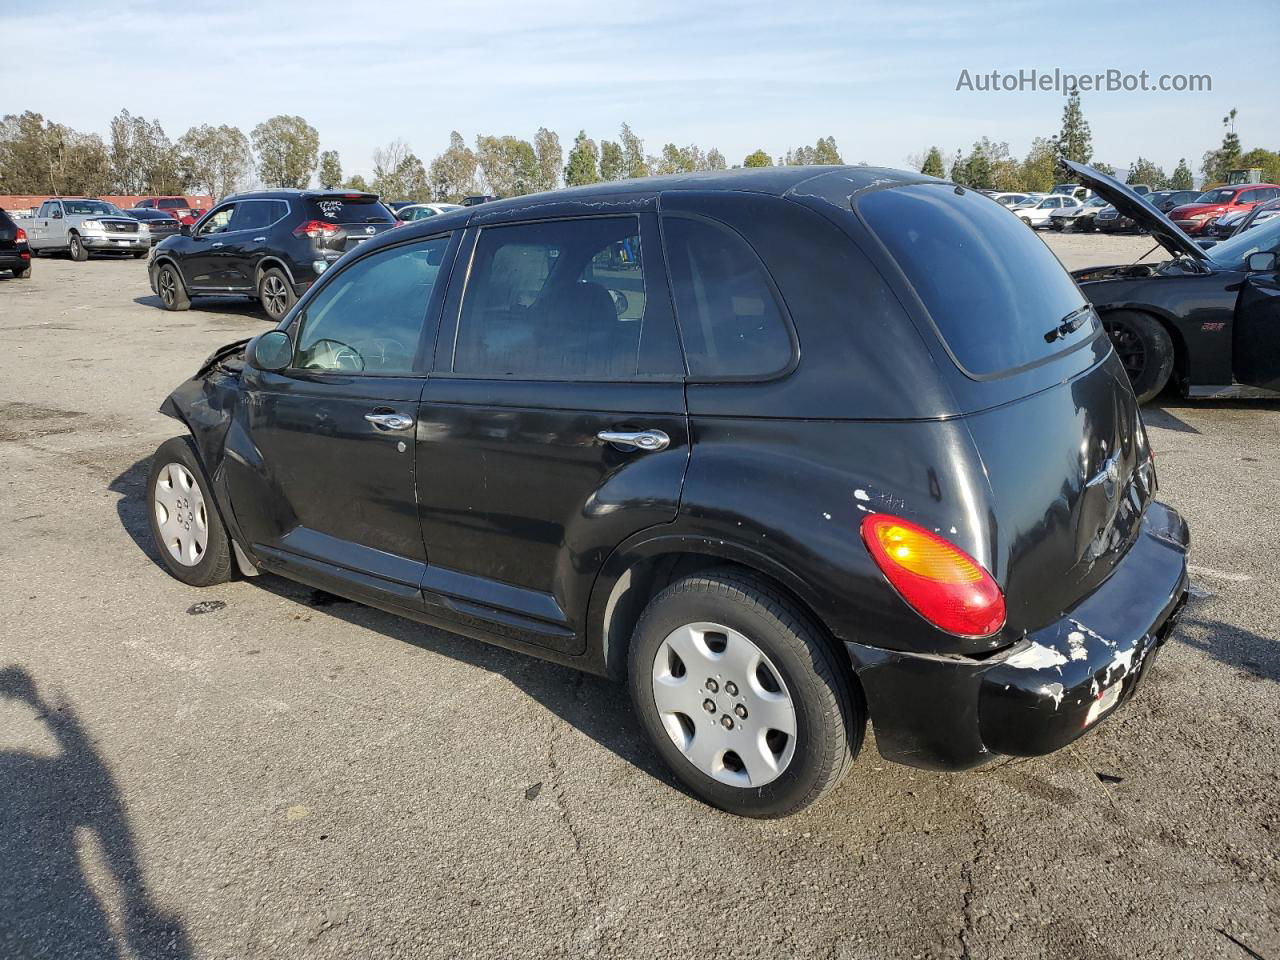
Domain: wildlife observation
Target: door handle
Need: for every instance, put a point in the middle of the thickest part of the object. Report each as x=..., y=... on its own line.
x=649, y=441
x=214, y=246
x=259, y=239
x=391, y=421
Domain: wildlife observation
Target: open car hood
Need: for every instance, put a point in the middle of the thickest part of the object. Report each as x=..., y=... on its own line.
x=1164, y=230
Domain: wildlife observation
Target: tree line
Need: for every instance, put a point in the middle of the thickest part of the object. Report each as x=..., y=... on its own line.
x=991, y=166
x=39, y=156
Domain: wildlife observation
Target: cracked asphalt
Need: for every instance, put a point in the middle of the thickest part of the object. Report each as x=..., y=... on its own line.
x=257, y=770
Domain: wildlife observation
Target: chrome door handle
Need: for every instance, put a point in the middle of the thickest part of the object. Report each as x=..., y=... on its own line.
x=214, y=246
x=392, y=421
x=647, y=440
x=259, y=239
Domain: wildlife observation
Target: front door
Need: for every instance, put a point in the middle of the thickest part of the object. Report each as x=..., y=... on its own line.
x=553, y=426
x=205, y=266
x=1255, y=339
x=323, y=474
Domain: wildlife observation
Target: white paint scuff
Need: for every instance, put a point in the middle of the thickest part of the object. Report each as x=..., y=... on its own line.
x=1037, y=657
x=861, y=494
x=1075, y=646
x=1053, y=690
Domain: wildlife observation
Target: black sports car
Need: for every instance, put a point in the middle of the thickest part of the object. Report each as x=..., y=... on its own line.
x=1208, y=319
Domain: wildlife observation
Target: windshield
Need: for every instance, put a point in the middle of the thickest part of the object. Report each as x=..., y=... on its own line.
x=997, y=295
x=1215, y=196
x=90, y=208
x=1096, y=202
x=1231, y=254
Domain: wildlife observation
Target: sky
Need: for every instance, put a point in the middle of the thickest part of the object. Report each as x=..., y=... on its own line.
x=880, y=77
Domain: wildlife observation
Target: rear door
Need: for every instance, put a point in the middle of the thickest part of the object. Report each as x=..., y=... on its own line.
x=553, y=426
x=246, y=241
x=322, y=474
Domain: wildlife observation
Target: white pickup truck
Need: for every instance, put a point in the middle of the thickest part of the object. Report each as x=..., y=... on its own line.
x=80, y=226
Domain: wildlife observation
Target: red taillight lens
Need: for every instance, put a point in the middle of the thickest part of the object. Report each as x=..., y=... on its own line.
x=22, y=236
x=315, y=229
x=940, y=581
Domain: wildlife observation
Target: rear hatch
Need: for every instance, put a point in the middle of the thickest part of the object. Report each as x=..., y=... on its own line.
x=357, y=216
x=8, y=232
x=1048, y=406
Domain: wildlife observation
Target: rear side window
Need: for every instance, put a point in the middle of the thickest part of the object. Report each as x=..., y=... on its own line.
x=348, y=210
x=257, y=214
x=560, y=300
x=995, y=292
x=730, y=320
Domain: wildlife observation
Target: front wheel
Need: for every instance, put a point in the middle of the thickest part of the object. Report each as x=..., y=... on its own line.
x=742, y=696
x=276, y=293
x=1145, y=349
x=185, y=525
x=75, y=246
x=171, y=290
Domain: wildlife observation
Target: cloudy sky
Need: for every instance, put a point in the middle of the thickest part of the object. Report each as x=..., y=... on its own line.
x=880, y=77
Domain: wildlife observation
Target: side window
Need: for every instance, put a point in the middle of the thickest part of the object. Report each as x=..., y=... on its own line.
x=369, y=318
x=257, y=214
x=730, y=320
x=219, y=221
x=561, y=299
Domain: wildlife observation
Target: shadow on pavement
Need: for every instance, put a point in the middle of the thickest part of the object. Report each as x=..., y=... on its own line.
x=1257, y=656
x=62, y=817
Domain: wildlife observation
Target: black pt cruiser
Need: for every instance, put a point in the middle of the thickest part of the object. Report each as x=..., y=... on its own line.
x=783, y=449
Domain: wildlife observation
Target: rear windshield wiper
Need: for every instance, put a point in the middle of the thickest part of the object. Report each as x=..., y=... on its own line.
x=1072, y=322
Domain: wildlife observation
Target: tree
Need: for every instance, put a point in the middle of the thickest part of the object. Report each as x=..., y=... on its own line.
x=584, y=162
x=1040, y=167
x=330, y=169
x=613, y=164
x=142, y=158
x=757, y=159
x=1267, y=160
x=1145, y=171
x=509, y=165
x=1215, y=164
x=546, y=148
x=1106, y=168
x=932, y=166
x=634, y=163
x=1074, y=141
x=715, y=160
x=824, y=151
x=453, y=173
x=988, y=167
x=357, y=182
x=398, y=174
x=39, y=156
x=215, y=160
x=287, y=148
x=1181, y=179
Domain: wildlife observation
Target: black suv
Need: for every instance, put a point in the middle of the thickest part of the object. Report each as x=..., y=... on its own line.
x=15, y=255
x=782, y=448
x=270, y=245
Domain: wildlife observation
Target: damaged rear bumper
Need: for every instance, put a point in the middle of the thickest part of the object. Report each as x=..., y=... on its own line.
x=951, y=713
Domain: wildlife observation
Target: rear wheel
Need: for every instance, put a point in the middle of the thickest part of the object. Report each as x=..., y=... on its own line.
x=185, y=525
x=276, y=293
x=742, y=696
x=1145, y=349
x=170, y=289
x=75, y=246
x=23, y=274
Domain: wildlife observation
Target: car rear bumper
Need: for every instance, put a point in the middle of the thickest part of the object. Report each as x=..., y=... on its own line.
x=14, y=259
x=952, y=713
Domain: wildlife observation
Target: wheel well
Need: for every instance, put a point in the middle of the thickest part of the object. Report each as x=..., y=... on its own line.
x=265, y=264
x=646, y=578
x=1175, y=337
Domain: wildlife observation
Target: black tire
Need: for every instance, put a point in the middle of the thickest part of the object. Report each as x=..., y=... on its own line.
x=275, y=293
x=23, y=274
x=1145, y=349
x=214, y=563
x=829, y=718
x=76, y=249
x=170, y=288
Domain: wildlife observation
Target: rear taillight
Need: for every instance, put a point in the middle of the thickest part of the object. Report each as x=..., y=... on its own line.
x=22, y=236
x=940, y=581
x=316, y=229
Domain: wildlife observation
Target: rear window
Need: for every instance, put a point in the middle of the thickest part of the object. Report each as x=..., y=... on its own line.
x=995, y=292
x=172, y=203
x=349, y=210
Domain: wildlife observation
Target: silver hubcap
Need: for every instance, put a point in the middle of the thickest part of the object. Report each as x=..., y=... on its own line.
x=181, y=515
x=273, y=295
x=167, y=287
x=724, y=704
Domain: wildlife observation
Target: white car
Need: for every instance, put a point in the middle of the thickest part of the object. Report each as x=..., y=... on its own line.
x=1010, y=200
x=1078, y=215
x=1038, y=216
x=420, y=211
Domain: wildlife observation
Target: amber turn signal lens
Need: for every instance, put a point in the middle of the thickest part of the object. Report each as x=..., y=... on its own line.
x=938, y=580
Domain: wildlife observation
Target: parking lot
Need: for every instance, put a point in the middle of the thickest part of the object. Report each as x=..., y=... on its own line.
x=260, y=770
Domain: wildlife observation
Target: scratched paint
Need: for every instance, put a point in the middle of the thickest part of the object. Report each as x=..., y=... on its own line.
x=1037, y=657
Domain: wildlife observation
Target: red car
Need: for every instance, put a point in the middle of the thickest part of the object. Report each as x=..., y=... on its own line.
x=177, y=207
x=1196, y=216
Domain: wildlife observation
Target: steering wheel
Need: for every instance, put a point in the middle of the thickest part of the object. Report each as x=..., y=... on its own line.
x=342, y=353
x=620, y=301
